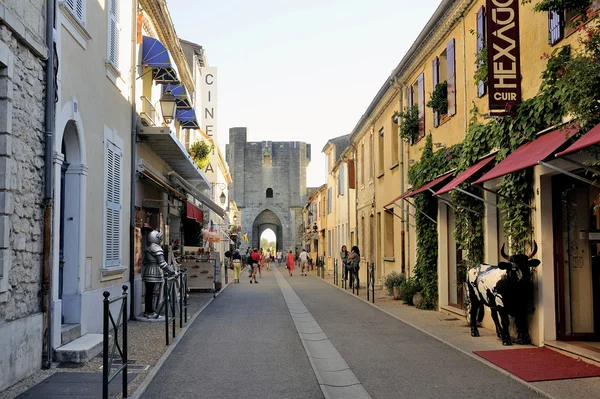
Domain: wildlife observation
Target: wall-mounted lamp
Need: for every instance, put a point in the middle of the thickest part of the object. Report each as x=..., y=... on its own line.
x=167, y=106
x=222, y=198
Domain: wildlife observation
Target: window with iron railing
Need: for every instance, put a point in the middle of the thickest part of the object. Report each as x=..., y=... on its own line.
x=148, y=113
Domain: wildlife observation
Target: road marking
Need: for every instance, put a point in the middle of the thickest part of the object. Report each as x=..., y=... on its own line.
x=335, y=378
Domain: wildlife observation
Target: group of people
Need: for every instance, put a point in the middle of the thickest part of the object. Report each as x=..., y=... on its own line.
x=351, y=261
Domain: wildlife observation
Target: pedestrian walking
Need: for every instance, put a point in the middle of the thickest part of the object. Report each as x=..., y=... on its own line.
x=290, y=262
x=344, y=257
x=261, y=262
x=354, y=263
x=268, y=259
x=303, y=262
x=279, y=257
x=237, y=266
x=255, y=262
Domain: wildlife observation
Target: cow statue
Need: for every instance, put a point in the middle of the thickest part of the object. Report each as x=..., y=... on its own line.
x=505, y=289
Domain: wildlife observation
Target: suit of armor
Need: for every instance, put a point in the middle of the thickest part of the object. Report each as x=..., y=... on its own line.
x=153, y=268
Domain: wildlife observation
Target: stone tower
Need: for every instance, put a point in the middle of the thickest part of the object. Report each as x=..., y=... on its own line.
x=268, y=186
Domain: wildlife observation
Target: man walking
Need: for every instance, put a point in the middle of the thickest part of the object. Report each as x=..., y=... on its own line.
x=303, y=262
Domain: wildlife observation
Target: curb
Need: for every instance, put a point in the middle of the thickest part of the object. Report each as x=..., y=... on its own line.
x=142, y=388
x=473, y=356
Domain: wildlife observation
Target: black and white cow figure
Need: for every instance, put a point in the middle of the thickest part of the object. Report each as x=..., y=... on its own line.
x=506, y=290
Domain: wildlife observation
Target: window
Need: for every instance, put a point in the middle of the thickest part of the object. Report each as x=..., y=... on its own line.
x=436, y=80
x=388, y=249
x=269, y=193
x=381, y=147
x=114, y=29
x=341, y=179
x=329, y=197
x=395, y=140
x=113, y=173
x=451, y=77
x=555, y=27
x=362, y=163
x=481, y=39
x=351, y=174
x=77, y=8
x=420, y=100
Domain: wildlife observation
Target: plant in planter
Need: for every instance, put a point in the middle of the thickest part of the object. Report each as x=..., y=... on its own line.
x=409, y=288
x=439, y=98
x=392, y=283
x=409, y=127
x=200, y=153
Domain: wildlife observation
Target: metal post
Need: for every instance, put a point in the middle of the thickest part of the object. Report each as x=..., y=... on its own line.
x=125, y=358
x=105, y=368
x=226, y=267
x=166, y=302
x=373, y=283
x=214, y=283
x=368, y=280
x=344, y=275
x=180, y=300
x=172, y=302
x=185, y=300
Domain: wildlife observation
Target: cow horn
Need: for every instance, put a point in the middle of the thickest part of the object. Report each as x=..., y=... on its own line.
x=534, y=250
x=504, y=255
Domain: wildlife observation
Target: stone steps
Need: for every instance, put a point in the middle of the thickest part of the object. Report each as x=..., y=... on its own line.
x=80, y=350
x=69, y=333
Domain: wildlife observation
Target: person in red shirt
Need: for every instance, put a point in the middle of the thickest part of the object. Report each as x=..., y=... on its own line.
x=255, y=259
x=290, y=262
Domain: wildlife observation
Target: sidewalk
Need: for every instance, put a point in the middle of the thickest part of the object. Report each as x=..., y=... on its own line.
x=454, y=331
x=145, y=347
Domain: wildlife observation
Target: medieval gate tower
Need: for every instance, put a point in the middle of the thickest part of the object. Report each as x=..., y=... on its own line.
x=269, y=187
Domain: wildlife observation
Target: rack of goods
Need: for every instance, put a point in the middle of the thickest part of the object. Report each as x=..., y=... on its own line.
x=201, y=269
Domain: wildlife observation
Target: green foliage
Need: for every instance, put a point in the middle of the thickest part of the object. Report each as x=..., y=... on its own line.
x=481, y=62
x=439, y=98
x=394, y=279
x=200, y=152
x=409, y=288
x=409, y=125
x=560, y=5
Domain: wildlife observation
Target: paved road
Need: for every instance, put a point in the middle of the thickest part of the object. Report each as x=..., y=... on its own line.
x=245, y=344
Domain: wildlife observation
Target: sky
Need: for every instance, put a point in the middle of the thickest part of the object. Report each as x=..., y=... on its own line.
x=299, y=70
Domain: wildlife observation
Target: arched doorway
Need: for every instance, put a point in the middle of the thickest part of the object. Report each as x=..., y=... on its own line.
x=267, y=220
x=70, y=232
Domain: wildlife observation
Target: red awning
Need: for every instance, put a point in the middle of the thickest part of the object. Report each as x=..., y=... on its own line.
x=193, y=212
x=439, y=180
x=587, y=140
x=529, y=154
x=403, y=195
x=471, y=170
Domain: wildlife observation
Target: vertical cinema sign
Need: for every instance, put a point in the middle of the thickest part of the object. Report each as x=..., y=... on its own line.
x=209, y=100
x=504, y=63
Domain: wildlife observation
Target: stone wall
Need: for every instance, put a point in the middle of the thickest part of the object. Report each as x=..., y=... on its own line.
x=22, y=107
x=257, y=166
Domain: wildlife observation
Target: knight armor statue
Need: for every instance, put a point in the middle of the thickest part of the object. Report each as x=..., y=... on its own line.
x=154, y=267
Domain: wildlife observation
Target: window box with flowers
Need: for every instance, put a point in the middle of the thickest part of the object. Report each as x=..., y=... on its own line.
x=200, y=153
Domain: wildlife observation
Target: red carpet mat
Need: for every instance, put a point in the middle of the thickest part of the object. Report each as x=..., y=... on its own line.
x=539, y=364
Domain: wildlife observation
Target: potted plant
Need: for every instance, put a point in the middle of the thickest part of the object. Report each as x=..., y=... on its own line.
x=200, y=153
x=409, y=288
x=392, y=282
x=409, y=127
x=439, y=98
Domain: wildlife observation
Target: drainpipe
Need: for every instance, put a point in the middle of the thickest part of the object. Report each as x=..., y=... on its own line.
x=134, y=133
x=48, y=186
x=401, y=166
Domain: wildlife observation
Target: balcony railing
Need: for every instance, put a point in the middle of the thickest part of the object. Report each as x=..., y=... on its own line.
x=148, y=113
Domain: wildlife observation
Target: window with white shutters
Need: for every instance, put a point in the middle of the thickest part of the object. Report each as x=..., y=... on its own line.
x=112, y=247
x=114, y=29
x=77, y=8
x=555, y=27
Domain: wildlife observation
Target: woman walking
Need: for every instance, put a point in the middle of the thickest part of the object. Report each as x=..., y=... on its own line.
x=354, y=264
x=290, y=262
x=261, y=262
x=237, y=266
x=344, y=257
x=268, y=259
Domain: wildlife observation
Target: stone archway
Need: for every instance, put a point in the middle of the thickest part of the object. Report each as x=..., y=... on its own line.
x=266, y=220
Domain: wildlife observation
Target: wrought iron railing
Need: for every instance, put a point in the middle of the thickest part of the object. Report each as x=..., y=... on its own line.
x=371, y=282
x=183, y=298
x=108, y=356
x=169, y=294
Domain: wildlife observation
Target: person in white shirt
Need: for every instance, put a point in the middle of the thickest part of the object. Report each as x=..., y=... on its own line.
x=279, y=256
x=303, y=262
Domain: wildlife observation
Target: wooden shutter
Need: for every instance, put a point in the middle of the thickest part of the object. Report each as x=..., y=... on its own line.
x=76, y=6
x=410, y=98
x=555, y=27
x=436, y=80
x=451, y=77
x=113, y=32
x=421, y=105
x=481, y=86
x=113, y=205
x=351, y=174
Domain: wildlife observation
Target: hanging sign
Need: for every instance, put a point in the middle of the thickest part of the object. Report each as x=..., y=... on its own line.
x=209, y=100
x=504, y=63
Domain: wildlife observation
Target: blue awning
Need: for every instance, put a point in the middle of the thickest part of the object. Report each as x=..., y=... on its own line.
x=187, y=118
x=156, y=56
x=181, y=95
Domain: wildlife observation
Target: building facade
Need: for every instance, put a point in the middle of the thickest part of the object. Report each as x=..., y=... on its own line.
x=23, y=51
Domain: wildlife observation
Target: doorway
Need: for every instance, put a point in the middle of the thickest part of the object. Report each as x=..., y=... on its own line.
x=576, y=207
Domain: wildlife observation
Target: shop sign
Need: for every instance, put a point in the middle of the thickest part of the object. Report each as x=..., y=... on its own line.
x=504, y=64
x=209, y=100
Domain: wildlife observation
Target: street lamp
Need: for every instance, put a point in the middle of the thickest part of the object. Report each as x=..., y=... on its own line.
x=222, y=198
x=167, y=106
